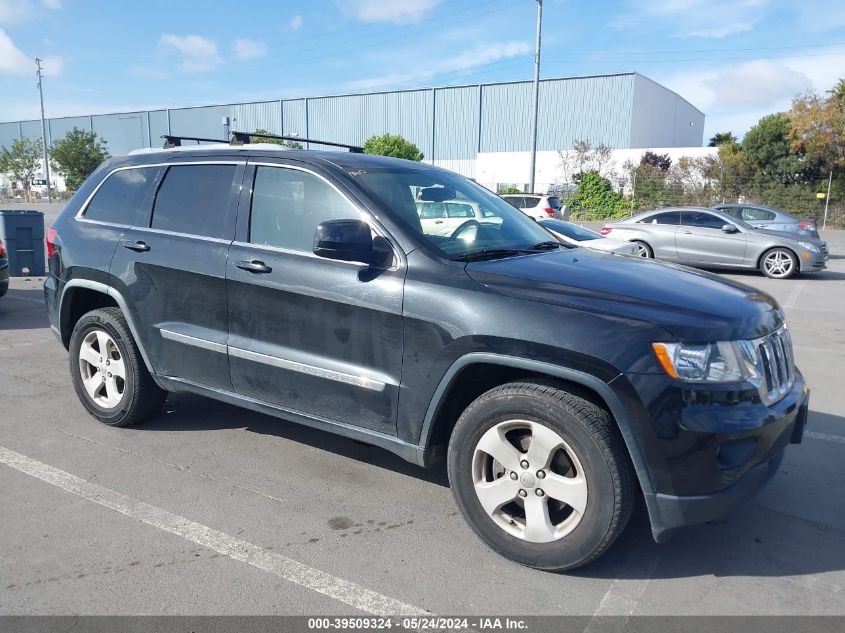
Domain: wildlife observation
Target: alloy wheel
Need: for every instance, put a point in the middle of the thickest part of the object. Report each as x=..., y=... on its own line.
x=779, y=263
x=642, y=250
x=529, y=481
x=102, y=369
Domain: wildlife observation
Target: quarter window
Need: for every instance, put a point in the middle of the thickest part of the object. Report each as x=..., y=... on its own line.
x=669, y=217
x=193, y=199
x=288, y=204
x=119, y=198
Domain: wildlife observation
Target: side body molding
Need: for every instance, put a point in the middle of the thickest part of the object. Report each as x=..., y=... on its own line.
x=587, y=380
x=121, y=302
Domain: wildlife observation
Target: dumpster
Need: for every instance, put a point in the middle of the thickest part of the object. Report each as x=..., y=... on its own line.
x=22, y=232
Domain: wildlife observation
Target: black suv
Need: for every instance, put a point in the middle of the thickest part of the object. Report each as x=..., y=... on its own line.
x=560, y=384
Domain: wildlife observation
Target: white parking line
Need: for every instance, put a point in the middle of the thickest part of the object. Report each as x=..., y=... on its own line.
x=827, y=437
x=793, y=296
x=342, y=590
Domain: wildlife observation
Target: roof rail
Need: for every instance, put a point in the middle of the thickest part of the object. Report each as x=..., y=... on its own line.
x=239, y=138
x=173, y=140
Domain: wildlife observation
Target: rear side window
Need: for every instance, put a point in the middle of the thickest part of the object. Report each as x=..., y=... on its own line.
x=530, y=202
x=752, y=214
x=515, y=202
x=456, y=210
x=288, y=204
x=670, y=217
x=193, y=199
x=431, y=210
x=119, y=198
x=702, y=220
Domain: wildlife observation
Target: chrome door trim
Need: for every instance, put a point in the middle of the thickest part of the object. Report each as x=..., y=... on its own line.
x=192, y=340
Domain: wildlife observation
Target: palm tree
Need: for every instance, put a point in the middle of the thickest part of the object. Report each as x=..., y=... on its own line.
x=838, y=92
x=721, y=138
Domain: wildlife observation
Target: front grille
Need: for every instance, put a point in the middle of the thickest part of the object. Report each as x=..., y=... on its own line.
x=776, y=364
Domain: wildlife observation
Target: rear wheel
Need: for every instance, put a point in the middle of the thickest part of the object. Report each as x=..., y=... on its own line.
x=541, y=475
x=109, y=376
x=779, y=263
x=644, y=250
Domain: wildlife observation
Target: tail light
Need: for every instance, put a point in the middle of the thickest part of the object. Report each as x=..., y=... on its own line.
x=549, y=210
x=2, y=249
x=806, y=225
x=605, y=230
x=51, y=241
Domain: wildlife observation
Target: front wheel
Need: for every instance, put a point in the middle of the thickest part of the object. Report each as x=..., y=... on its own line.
x=779, y=263
x=541, y=475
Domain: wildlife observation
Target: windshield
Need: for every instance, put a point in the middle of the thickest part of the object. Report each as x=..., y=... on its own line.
x=572, y=231
x=458, y=217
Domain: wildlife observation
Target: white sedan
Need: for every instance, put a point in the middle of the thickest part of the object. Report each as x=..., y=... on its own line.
x=582, y=236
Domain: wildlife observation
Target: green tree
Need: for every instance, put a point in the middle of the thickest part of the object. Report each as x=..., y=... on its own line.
x=393, y=145
x=508, y=190
x=721, y=138
x=274, y=141
x=769, y=145
x=76, y=155
x=22, y=160
x=596, y=199
x=818, y=126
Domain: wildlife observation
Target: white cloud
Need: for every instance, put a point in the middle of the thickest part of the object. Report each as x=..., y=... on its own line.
x=243, y=48
x=295, y=23
x=714, y=19
x=12, y=60
x=393, y=11
x=196, y=53
x=734, y=96
x=467, y=60
x=18, y=11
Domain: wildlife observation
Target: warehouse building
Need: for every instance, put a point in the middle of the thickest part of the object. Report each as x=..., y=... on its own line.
x=482, y=131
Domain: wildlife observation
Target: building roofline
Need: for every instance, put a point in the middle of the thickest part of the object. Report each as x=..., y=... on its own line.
x=347, y=94
x=660, y=85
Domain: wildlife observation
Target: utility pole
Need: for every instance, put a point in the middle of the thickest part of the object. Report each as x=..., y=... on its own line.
x=43, y=129
x=827, y=199
x=536, y=97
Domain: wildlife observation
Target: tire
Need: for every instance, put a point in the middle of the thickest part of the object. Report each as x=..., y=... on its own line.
x=644, y=250
x=590, y=454
x=779, y=263
x=120, y=401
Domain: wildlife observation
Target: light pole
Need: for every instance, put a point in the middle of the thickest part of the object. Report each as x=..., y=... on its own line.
x=43, y=129
x=533, y=167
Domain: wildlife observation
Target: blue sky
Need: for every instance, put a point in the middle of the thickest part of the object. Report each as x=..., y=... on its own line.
x=735, y=60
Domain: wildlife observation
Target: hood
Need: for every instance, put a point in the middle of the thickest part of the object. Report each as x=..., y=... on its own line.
x=692, y=305
x=786, y=235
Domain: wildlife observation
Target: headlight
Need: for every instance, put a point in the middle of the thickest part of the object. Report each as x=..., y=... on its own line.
x=810, y=247
x=725, y=361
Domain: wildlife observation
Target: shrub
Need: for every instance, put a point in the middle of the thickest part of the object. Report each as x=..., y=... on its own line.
x=596, y=199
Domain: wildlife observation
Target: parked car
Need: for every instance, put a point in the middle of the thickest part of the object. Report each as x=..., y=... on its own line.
x=582, y=236
x=762, y=217
x=4, y=270
x=304, y=285
x=712, y=239
x=443, y=218
x=538, y=206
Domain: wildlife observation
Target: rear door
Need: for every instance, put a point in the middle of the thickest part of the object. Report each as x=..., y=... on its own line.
x=314, y=336
x=433, y=218
x=172, y=270
x=700, y=240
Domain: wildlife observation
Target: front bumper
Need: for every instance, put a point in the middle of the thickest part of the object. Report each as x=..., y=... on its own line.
x=812, y=261
x=747, y=458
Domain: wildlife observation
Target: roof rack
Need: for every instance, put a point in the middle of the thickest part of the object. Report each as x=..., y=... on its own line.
x=172, y=140
x=239, y=138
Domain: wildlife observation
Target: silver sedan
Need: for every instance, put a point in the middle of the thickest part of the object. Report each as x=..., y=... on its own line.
x=711, y=239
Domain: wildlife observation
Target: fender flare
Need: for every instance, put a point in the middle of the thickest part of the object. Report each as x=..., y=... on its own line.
x=589, y=381
x=121, y=303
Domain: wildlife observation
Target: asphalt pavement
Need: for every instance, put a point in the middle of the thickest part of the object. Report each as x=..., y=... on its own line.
x=210, y=509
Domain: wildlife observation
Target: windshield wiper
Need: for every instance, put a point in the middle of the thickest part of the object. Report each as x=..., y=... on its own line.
x=485, y=253
x=545, y=246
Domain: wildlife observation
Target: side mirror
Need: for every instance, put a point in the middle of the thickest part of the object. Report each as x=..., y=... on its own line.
x=350, y=241
x=729, y=228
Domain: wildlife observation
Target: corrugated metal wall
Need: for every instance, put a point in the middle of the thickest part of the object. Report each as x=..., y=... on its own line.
x=447, y=124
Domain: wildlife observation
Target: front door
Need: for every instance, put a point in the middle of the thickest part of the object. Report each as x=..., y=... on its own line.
x=701, y=240
x=311, y=335
x=172, y=270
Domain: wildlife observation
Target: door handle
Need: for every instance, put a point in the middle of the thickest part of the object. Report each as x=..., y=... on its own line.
x=438, y=221
x=138, y=247
x=685, y=232
x=254, y=266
